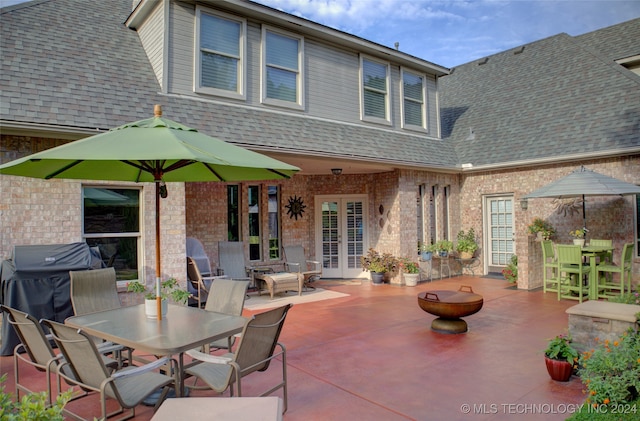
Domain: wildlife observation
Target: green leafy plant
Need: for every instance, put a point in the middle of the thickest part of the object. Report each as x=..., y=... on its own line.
x=408, y=266
x=579, y=233
x=380, y=263
x=560, y=348
x=628, y=298
x=168, y=289
x=539, y=225
x=611, y=370
x=510, y=272
x=443, y=246
x=32, y=407
x=466, y=241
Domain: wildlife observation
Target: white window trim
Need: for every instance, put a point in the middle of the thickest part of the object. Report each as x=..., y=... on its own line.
x=299, y=104
x=242, y=71
x=424, y=127
x=387, y=105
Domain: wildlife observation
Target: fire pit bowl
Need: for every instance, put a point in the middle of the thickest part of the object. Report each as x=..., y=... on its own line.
x=450, y=306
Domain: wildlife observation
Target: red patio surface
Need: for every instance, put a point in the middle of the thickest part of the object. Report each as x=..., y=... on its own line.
x=373, y=356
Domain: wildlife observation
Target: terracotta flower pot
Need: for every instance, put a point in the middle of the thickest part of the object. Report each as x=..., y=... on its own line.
x=559, y=370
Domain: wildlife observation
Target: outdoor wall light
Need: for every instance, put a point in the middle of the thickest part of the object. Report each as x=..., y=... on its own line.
x=524, y=204
x=336, y=171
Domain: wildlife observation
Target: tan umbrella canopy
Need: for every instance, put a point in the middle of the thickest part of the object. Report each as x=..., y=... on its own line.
x=584, y=182
x=151, y=150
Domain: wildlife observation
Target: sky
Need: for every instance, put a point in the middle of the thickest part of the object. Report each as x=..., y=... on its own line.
x=453, y=32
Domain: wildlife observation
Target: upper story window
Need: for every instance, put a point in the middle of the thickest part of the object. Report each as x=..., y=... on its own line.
x=374, y=100
x=282, y=69
x=220, y=50
x=413, y=100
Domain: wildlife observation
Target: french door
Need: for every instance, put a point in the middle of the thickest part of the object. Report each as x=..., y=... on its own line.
x=341, y=234
x=500, y=238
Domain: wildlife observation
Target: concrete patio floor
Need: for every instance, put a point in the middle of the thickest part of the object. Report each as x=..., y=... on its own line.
x=373, y=356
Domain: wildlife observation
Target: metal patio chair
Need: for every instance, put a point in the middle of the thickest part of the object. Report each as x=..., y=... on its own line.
x=295, y=261
x=254, y=353
x=227, y=296
x=129, y=386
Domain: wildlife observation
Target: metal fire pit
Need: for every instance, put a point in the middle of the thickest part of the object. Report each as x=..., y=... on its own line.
x=450, y=306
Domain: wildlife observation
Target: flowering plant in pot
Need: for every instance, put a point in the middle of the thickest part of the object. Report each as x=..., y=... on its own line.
x=578, y=236
x=539, y=226
x=560, y=358
x=410, y=271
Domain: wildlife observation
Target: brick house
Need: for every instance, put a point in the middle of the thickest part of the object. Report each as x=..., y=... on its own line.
x=393, y=149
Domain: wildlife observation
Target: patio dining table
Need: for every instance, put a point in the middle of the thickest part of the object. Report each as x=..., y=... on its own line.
x=592, y=253
x=183, y=328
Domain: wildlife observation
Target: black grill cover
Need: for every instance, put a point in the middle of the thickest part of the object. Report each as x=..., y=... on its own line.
x=36, y=280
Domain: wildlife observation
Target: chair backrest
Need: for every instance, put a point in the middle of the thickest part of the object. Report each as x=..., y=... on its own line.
x=627, y=255
x=193, y=274
x=94, y=290
x=227, y=296
x=548, y=253
x=568, y=254
x=79, y=350
x=259, y=339
x=599, y=242
x=32, y=336
x=231, y=258
x=195, y=250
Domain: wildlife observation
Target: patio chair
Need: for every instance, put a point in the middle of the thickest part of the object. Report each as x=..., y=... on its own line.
x=200, y=285
x=572, y=272
x=607, y=287
x=227, y=296
x=254, y=353
x=129, y=386
x=93, y=291
x=295, y=259
x=195, y=250
x=35, y=350
x=549, y=267
x=606, y=256
x=231, y=261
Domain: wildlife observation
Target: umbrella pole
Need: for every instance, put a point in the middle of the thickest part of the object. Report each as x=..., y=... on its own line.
x=584, y=215
x=158, y=294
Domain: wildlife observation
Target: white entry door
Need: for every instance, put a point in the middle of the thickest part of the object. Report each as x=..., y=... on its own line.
x=341, y=234
x=500, y=238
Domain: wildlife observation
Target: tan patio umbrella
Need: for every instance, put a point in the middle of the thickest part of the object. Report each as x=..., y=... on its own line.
x=584, y=182
x=151, y=150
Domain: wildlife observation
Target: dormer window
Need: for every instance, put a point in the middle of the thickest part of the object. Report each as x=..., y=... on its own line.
x=220, y=51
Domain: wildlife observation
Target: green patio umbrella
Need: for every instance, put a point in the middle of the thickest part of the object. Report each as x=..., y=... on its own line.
x=151, y=150
x=584, y=182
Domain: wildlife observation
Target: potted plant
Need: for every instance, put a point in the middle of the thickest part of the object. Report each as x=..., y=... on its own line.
x=380, y=265
x=541, y=228
x=466, y=245
x=410, y=271
x=443, y=247
x=168, y=289
x=578, y=236
x=560, y=358
x=510, y=272
x=425, y=250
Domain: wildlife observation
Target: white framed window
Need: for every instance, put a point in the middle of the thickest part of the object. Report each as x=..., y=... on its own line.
x=413, y=89
x=374, y=93
x=220, y=45
x=111, y=221
x=282, y=69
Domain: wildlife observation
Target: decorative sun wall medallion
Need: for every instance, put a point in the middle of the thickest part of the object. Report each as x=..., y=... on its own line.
x=295, y=207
